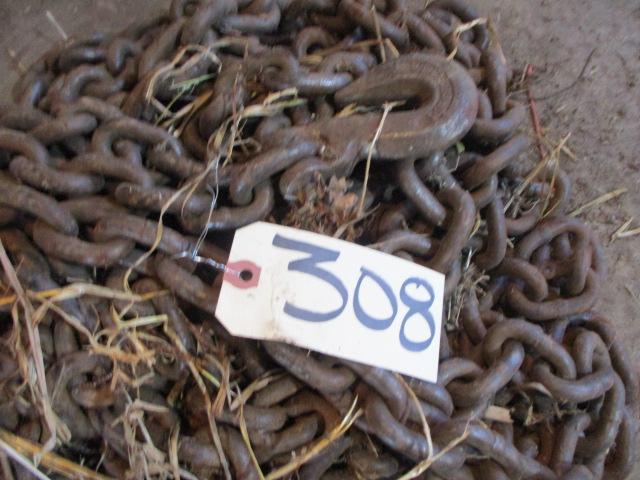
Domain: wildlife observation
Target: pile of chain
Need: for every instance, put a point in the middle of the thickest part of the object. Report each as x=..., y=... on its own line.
x=127, y=163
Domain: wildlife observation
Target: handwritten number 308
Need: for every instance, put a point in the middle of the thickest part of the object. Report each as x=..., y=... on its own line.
x=317, y=255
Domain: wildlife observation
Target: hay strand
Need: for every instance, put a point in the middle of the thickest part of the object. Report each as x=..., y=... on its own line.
x=54, y=462
x=599, y=201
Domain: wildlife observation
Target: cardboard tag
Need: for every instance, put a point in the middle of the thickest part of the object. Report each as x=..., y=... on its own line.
x=333, y=297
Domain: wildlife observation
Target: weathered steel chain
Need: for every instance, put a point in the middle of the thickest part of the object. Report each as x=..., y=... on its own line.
x=89, y=165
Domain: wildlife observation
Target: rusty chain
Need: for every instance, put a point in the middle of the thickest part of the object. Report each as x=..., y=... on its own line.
x=220, y=113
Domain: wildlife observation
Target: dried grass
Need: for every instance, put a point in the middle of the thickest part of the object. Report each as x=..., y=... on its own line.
x=37, y=385
x=213, y=429
x=21, y=460
x=80, y=289
x=5, y=466
x=459, y=30
x=376, y=24
x=546, y=208
x=136, y=343
x=247, y=441
x=255, y=386
x=56, y=25
x=26, y=449
x=387, y=106
x=541, y=168
x=598, y=201
x=172, y=70
x=425, y=464
x=423, y=420
x=624, y=232
x=629, y=233
x=471, y=281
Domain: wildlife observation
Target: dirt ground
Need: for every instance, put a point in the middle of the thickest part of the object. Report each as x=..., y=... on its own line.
x=586, y=59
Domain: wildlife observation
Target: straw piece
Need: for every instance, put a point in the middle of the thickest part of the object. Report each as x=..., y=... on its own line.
x=598, y=201
x=247, y=441
x=387, y=108
x=57, y=25
x=424, y=465
x=49, y=460
x=376, y=23
x=255, y=386
x=423, y=419
x=460, y=29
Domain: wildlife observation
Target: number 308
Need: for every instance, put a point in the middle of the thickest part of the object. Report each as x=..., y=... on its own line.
x=317, y=255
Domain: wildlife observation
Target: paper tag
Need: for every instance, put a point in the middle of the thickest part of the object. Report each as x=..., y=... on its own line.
x=333, y=297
